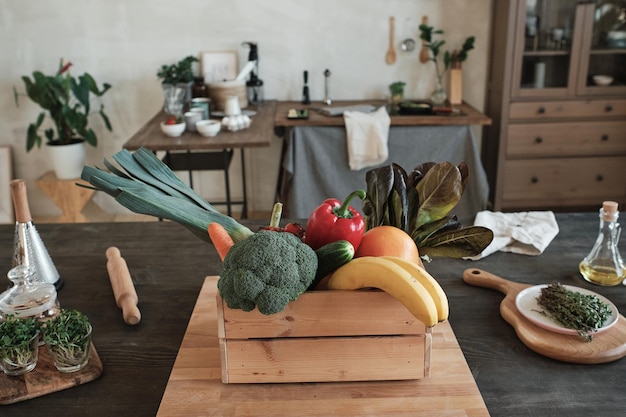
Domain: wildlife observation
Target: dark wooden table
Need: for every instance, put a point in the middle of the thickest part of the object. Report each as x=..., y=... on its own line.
x=168, y=265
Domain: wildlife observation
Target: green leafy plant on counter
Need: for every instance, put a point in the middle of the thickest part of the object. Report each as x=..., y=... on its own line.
x=419, y=203
x=450, y=59
x=16, y=335
x=180, y=72
x=397, y=88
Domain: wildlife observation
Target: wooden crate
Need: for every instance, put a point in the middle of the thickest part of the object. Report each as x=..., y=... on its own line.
x=324, y=336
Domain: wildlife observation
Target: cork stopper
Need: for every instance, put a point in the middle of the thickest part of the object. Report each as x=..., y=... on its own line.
x=609, y=211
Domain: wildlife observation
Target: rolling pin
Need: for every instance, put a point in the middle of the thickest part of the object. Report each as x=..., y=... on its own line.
x=123, y=288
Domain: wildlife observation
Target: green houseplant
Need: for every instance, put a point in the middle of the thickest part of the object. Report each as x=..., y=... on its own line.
x=68, y=337
x=67, y=101
x=176, y=80
x=450, y=59
x=19, y=345
x=396, y=90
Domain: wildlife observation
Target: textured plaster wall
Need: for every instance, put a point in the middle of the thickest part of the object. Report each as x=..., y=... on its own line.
x=124, y=42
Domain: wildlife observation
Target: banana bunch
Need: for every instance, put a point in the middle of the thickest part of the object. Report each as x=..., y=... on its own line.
x=408, y=282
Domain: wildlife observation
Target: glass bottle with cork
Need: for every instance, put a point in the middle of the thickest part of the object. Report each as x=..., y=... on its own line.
x=604, y=264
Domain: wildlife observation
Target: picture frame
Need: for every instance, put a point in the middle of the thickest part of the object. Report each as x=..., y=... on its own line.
x=6, y=170
x=218, y=65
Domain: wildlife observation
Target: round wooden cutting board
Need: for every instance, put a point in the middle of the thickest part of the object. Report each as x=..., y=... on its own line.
x=606, y=346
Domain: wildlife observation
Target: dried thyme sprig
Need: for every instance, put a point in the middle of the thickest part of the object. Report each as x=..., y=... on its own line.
x=584, y=313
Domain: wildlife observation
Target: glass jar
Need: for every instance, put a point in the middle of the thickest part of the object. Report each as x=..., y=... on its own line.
x=28, y=297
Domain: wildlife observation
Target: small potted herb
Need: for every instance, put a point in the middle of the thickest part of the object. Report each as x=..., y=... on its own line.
x=176, y=80
x=68, y=337
x=19, y=345
x=396, y=89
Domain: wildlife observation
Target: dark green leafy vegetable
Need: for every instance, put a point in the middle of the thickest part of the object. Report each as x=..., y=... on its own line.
x=419, y=203
x=584, y=313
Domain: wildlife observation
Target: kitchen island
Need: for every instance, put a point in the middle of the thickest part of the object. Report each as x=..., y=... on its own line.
x=169, y=265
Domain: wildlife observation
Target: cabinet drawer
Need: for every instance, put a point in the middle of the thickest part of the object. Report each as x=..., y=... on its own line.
x=556, y=109
x=566, y=178
x=566, y=139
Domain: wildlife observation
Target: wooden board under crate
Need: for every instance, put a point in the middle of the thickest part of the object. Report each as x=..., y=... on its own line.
x=324, y=336
x=195, y=387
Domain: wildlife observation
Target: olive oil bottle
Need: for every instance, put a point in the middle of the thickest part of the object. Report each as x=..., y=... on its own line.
x=604, y=264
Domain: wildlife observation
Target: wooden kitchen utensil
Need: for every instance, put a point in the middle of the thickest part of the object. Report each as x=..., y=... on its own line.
x=607, y=346
x=123, y=288
x=390, y=58
x=424, y=54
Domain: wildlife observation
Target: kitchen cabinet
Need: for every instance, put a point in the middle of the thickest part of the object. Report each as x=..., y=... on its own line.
x=558, y=137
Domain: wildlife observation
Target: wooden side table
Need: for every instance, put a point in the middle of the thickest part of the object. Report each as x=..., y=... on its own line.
x=68, y=196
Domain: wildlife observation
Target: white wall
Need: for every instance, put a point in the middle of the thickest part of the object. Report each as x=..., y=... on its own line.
x=124, y=43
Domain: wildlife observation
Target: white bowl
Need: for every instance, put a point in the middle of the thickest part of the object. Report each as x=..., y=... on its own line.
x=602, y=80
x=173, y=131
x=208, y=128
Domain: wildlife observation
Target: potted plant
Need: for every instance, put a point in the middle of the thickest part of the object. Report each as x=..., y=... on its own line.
x=67, y=100
x=176, y=80
x=19, y=345
x=68, y=337
x=454, y=59
x=396, y=89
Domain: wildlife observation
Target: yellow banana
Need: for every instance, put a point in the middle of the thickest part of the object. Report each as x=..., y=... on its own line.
x=427, y=280
x=374, y=271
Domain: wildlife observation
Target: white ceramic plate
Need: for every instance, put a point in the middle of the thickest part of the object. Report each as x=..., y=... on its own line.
x=526, y=303
x=249, y=113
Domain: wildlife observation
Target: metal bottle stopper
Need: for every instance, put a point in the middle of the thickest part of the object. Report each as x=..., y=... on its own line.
x=29, y=248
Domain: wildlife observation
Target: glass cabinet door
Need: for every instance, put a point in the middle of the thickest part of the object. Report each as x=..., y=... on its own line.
x=603, y=59
x=545, y=42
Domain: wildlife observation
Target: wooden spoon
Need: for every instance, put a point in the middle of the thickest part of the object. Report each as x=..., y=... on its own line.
x=424, y=55
x=390, y=58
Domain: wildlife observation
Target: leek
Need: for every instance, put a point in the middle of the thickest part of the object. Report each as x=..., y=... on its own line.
x=146, y=185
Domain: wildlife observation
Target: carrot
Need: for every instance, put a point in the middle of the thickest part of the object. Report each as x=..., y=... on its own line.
x=220, y=238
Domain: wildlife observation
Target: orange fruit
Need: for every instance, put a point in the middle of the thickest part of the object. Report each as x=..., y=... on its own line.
x=388, y=241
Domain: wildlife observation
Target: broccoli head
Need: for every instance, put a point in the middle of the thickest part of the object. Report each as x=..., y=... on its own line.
x=266, y=270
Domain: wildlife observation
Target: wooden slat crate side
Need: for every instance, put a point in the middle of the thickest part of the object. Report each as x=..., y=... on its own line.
x=327, y=359
x=324, y=313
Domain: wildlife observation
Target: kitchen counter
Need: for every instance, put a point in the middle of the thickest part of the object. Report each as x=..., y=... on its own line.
x=314, y=164
x=169, y=264
x=464, y=114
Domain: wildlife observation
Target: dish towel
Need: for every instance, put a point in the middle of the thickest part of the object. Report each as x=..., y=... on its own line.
x=527, y=233
x=367, y=136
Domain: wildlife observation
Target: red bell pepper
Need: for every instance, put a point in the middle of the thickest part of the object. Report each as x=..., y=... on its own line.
x=334, y=220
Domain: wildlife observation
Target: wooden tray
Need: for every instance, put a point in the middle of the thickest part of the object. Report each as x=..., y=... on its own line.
x=45, y=378
x=607, y=346
x=195, y=388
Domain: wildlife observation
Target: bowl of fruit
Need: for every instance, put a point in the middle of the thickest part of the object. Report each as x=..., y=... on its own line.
x=173, y=126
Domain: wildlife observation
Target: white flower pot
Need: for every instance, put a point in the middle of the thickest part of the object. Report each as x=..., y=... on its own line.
x=67, y=160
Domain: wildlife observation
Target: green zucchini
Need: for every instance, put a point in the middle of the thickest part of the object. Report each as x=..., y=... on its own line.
x=330, y=257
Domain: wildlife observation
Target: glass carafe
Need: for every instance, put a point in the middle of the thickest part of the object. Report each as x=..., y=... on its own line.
x=604, y=264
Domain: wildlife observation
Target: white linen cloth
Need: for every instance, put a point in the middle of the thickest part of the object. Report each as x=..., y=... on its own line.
x=527, y=233
x=366, y=137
